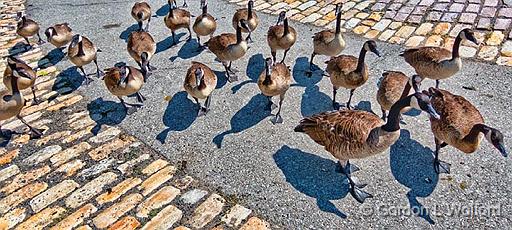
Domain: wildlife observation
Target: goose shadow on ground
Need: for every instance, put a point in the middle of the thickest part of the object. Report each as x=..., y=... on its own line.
x=248, y=116
x=165, y=44
x=106, y=113
x=180, y=114
x=222, y=80
x=20, y=48
x=188, y=50
x=412, y=166
x=69, y=80
x=54, y=57
x=313, y=176
x=163, y=10
x=126, y=33
x=255, y=66
x=313, y=101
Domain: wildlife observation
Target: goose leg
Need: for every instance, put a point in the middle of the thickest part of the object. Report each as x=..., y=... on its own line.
x=140, y=26
x=350, y=99
x=28, y=46
x=40, y=41
x=189, y=34
x=2, y=134
x=35, y=101
x=129, y=110
x=284, y=57
x=273, y=56
x=99, y=73
x=34, y=133
x=384, y=116
x=173, y=39
x=248, y=39
x=440, y=166
x=278, y=119
x=140, y=97
x=335, y=105
x=355, y=189
x=201, y=47
x=185, y=3
x=147, y=25
x=203, y=110
x=311, y=62
x=231, y=76
x=88, y=80
x=270, y=105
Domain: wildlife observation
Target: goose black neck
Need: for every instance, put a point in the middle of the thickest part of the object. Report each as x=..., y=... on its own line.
x=338, y=23
x=286, y=27
x=205, y=9
x=238, y=34
x=455, y=48
x=473, y=134
x=406, y=91
x=393, y=123
x=202, y=84
x=80, y=49
x=249, y=11
x=171, y=12
x=267, y=80
x=360, y=60
x=24, y=19
x=14, y=84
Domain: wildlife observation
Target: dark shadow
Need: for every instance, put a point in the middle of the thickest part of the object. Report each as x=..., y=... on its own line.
x=222, y=80
x=413, y=112
x=314, y=176
x=4, y=141
x=70, y=79
x=164, y=10
x=313, y=100
x=365, y=106
x=188, y=50
x=167, y=42
x=54, y=57
x=412, y=166
x=180, y=113
x=106, y=113
x=255, y=66
x=126, y=33
x=248, y=116
x=20, y=47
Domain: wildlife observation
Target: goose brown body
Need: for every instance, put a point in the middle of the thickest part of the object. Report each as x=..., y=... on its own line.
x=12, y=106
x=458, y=117
x=243, y=14
x=89, y=49
x=225, y=47
x=280, y=80
x=140, y=42
x=63, y=35
x=204, y=25
x=27, y=27
x=142, y=8
x=207, y=84
x=349, y=134
x=391, y=89
x=134, y=84
x=178, y=19
x=328, y=42
x=432, y=62
x=23, y=83
x=342, y=72
x=278, y=40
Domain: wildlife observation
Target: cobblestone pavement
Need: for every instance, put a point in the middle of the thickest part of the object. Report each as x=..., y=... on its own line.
x=412, y=22
x=81, y=175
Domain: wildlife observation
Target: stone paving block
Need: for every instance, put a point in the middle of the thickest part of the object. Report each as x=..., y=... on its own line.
x=236, y=215
x=502, y=23
x=161, y=198
x=53, y=194
x=14, y=217
x=157, y=179
x=118, y=190
x=8, y=172
x=127, y=223
x=42, y=155
x=75, y=218
x=165, y=219
x=23, y=179
x=7, y=157
x=206, y=211
x=414, y=41
x=89, y=190
x=105, y=150
x=193, y=196
x=442, y=28
x=71, y=167
x=117, y=210
x=386, y=35
x=495, y=38
x=405, y=31
x=154, y=166
x=70, y=153
x=488, y=52
x=506, y=50
x=488, y=12
x=382, y=24
x=21, y=195
x=123, y=168
x=254, y=223
x=41, y=219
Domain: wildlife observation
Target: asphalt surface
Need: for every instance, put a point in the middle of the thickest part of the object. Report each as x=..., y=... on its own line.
x=284, y=176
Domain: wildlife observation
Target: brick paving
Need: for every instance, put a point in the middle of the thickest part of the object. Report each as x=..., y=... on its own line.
x=412, y=22
x=74, y=179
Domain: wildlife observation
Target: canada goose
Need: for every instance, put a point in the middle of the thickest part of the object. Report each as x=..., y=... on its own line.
x=12, y=101
x=281, y=37
x=249, y=15
x=355, y=134
x=200, y=83
x=141, y=11
x=273, y=81
x=328, y=42
x=82, y=51
x=122, y=80
x=349, y=72
x=59, y=35
x=27, y=76
x=461, y=125
x=436, y=62
x=393, y=86
x=229, y=47
x=141, y=46
x=205, y=24
x=177, y=19
x=27, y=28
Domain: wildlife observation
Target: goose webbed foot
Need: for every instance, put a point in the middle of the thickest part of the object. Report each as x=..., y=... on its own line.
x=140, y=98
x=202, y=111
x=356, y=190
x=336, y=105
x=277, y=119
x=131, y=108
x=185, y=5
x=88, y=80
x=35, y=101
x=40, y=41
x=248, y=39
x=270, y=105
x=100, y=74
x=152, y=68
x=232, y=77
x=35, y=133
x=441, y=167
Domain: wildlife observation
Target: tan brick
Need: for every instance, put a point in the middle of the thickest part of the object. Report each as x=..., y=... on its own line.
x=106, y=135
x=89, y=190
x=414, y=41
x=17, y=123
x=495, y=38
x=442, y=28
x=77, y=116
x=405, y=31
x=54, y=136
x=157, y=179
x=85, y=227
x=111, y=214
x=78, y=135
x=7, y=157
x=70, y=153
x=66, y=103
x=161, y=198
x=181, y=228
x=118, y=190
x=154, y=167
x=254, y=223
x=424, y=29
x=76, y=218
x=434, y=40
x=23, y=179
x=131, y=163
x=33, y=108
x=42, y=155
x=53, y=194
x=8, y=172
x=14, y=217
x=361, y=29
x=488, y=52
x=22, y=139
x=82, y=123
x=41, y=219
x=127, y=223
x=165, y=219
x=71, y=167
x=236, y=215
x=103, y=151
x=207, y=211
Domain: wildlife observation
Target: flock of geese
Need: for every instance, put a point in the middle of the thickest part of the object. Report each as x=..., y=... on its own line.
x=346, y=133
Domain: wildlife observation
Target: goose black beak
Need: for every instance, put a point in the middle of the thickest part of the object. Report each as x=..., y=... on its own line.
x=502, y=150
x=432, y=112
